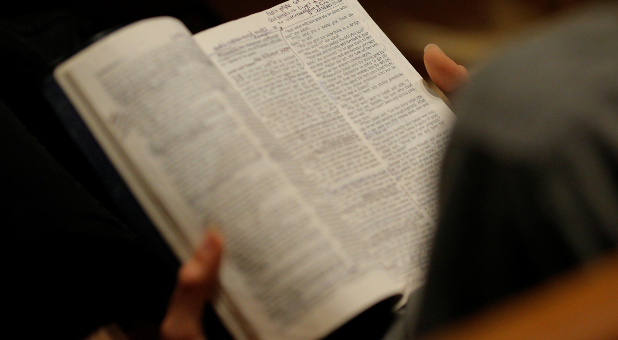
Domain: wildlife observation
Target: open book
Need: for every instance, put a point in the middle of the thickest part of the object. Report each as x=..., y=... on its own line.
x=301, y=131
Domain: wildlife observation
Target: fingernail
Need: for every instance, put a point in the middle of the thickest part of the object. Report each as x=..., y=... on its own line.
x=426, y=47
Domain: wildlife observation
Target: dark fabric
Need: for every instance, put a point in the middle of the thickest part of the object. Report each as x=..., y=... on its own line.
x=530, y=181
x=71, y=264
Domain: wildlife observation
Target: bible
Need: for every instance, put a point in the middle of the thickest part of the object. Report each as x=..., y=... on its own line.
x=301, y=131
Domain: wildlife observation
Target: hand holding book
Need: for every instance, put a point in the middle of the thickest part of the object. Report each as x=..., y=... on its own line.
x=195, y=287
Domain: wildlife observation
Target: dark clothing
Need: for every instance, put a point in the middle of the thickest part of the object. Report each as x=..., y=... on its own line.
x=530, y=182
x=72, y=265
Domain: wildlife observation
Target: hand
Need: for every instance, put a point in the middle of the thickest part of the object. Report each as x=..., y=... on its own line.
x=196, y=285
x=443, y=71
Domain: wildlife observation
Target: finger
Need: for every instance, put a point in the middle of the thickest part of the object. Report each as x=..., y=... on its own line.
x=196, y=285
x=443, y=71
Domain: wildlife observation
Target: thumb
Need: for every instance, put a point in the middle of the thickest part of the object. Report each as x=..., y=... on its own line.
x=196, y=285
x=443, y=71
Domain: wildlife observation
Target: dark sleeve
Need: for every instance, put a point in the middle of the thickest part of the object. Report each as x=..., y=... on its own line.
x=70, y=265
x=530, y=182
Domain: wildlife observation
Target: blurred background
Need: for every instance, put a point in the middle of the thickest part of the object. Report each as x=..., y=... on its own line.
x=467, y=30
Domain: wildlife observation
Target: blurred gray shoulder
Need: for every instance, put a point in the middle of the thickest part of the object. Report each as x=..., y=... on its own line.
x=547, y=90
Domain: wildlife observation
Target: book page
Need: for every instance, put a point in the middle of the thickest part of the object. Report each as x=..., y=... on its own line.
x=337, y=95
x=194, y=153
